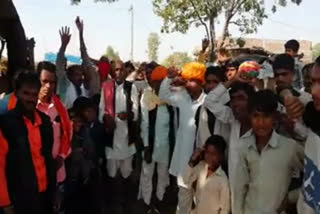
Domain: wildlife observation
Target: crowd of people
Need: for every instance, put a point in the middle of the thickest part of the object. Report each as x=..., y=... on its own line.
x=240, y=138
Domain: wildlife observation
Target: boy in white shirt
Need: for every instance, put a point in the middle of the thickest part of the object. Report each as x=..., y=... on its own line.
x=212, y=191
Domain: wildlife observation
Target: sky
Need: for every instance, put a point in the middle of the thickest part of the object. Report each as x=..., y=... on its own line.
x=110, y=24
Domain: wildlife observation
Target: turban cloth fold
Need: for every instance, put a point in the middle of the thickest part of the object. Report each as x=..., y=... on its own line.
x=250, y=68
x=194, y=71
x=159, y=73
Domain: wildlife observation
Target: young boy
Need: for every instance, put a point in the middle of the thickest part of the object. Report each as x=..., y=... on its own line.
x=292, y=48
x=266, y=162
x=212, y=191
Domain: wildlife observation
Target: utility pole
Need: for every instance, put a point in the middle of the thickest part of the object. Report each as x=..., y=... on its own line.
x=132, y=31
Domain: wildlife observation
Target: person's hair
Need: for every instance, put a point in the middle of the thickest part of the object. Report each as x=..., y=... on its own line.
x=152, y=65
x=283, y=61
x=317, y=61
x=218, y=142
x=45, y=65
x=217, y=71
x=307, y=68
x=73, y=68
x=233, y=63
x=293, y=45
x=240, y=86
x=81, y=104
x=129, y=64
x=264, y=101
x=27, y=77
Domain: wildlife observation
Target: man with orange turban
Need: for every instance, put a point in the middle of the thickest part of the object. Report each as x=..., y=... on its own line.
x=188, y=99
x=157, y=130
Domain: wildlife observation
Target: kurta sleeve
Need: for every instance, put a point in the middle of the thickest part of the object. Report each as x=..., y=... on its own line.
x=4, y=194
x=190, y=174
x=213, y=102
x=225, y=199
x=144, y=122
x=173, y=98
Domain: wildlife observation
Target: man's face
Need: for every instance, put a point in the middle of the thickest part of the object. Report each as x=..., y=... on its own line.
x=262, y=123
x=290, y=52
x=239, y=105
x=28, y=95
x=148, y=75
x=284, y=78
x=76, y=77
x=120, y=73
x=231, y=72
x=48, y=83
x=212, y=156
x=315, y=86
x=193, y=86
x=212, y=81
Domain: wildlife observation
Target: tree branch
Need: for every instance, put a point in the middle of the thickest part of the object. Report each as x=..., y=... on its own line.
x=199, y=17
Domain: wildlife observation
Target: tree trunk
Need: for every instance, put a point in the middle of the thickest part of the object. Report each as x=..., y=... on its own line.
x=12, y=31
x=212, y=55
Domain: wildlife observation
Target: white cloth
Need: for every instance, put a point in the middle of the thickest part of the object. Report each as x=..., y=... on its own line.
x=263, y=178
x=220, y=128
x=71, y=95
x=125, y=167
x=146, y=186
x=212, y=193
x=185, y=198
x=186, y=133
x=121, y=149
x=161, y=141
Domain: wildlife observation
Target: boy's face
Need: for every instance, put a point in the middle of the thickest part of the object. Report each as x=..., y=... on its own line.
x=315, y=87
x=262, y=123
x=290, y=52
x=212, y=156
x=212, y=81
x=77, y=124
x=90, y=114
x=284, y=78
x=239, y=105
x=231, y=72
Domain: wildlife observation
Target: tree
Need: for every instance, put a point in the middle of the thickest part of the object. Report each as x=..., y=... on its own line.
x=179, y=15
x=112, y=54
x=316, y=51
x=153, y=46
x=177, y=59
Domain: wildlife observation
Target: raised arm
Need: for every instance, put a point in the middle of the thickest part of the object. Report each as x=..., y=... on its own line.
x=92, y=80
x=65, y=37
x=3, y=43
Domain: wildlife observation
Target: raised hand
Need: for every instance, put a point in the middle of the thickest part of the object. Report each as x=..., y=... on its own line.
x=65, y=35
x=79, y=24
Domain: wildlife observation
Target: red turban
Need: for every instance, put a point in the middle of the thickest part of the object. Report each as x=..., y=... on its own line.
x=159, y=73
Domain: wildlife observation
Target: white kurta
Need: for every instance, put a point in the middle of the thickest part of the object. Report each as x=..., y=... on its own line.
x=212, y=193
x=185, y=137
x=162, y=126
x=121, y=150
x=71, y=95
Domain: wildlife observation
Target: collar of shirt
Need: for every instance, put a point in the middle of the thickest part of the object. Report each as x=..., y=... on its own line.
x=200, y=99
x=273, y=141
x=47, y=105
x=218, y=172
